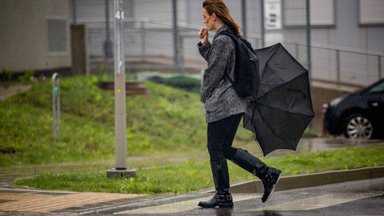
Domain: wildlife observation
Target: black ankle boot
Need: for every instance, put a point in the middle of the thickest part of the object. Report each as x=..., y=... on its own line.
x=222, y=198
x=269, y=181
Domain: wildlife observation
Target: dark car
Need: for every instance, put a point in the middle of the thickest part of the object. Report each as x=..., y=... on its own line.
x=357, y=115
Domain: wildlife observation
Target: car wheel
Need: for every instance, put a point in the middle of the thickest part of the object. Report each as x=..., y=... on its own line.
x=358, y=127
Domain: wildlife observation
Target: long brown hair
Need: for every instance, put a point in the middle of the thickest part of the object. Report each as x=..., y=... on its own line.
x=221, y=10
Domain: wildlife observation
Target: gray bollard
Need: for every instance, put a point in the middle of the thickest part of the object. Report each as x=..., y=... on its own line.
x=56, y=107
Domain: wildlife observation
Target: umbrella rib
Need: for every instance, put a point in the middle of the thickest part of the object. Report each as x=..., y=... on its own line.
x=258, y=103
x=263, y=72
x=284, y=84
x=270, y=128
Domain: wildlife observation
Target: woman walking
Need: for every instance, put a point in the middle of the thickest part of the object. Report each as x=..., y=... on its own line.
x=224, y=108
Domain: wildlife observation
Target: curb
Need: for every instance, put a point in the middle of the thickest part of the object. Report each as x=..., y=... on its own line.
x=311, y=180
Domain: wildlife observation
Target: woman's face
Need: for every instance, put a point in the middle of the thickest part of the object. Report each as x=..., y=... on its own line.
x=208, y=19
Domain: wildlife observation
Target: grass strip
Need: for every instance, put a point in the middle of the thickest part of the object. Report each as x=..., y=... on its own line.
x=192, y=176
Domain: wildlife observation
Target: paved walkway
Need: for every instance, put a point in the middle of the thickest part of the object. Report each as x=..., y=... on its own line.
x=363, y=197
x=35, y=202
x=334, y=199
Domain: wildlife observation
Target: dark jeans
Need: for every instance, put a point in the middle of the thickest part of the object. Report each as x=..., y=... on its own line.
x=220, y=137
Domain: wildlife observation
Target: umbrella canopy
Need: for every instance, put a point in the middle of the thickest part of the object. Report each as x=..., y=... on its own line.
x=283, y=108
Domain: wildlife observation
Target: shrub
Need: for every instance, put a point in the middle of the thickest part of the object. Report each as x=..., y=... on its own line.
x=181, y=82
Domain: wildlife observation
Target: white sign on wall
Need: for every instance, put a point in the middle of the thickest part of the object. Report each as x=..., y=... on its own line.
x=272, y=13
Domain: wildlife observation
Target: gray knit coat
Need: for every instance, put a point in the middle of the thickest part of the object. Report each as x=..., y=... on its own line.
x=219, y=98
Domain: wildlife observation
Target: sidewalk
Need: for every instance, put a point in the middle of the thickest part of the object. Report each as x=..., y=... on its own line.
x=350, y=198
x=74, y=203
x=56, y=201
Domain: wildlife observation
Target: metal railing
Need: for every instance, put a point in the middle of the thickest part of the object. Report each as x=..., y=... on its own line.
x=151, y=39
x=341, y=65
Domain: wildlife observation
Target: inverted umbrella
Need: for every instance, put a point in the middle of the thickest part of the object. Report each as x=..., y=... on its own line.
x=283, y=108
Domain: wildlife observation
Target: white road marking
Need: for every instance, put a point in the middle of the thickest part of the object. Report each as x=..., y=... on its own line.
x=183, y=205
x=316, y=202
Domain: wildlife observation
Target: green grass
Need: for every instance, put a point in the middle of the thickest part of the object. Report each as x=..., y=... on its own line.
x=28, y=130
x=191, y=175
x=166, y=120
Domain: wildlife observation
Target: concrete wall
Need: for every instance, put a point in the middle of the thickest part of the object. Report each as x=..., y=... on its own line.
x=24, y=34
x=347, y=32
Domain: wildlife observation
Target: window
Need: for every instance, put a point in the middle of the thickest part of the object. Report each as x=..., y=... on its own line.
x=294, y=12
x=57, y=35
x=371, y=12
x=322, y=12
x=377, y=88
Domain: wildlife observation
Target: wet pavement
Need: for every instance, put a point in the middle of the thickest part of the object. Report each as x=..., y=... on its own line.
x=364, y=197
x=352, y=198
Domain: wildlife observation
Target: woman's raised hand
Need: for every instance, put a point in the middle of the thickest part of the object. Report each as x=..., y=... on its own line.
x=203, y=35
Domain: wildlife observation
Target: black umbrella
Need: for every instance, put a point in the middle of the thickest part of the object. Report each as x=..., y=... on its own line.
x=283, y=108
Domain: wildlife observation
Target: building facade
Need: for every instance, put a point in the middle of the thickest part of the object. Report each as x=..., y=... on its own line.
x=34, y=35
x=347, y=36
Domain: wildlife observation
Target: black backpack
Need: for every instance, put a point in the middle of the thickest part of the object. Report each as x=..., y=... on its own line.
x=246, y=77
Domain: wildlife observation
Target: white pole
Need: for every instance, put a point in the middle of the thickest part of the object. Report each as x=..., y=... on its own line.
x=120, y=97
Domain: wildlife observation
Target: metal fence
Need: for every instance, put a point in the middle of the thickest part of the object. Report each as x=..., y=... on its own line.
x=149, y=46
x=341, y=65
x=148, y=43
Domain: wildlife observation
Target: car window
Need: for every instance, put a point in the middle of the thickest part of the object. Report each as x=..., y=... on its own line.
x=377, y=88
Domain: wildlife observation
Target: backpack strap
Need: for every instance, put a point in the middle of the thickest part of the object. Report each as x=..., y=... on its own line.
x=236, y=38
x=235, y=42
